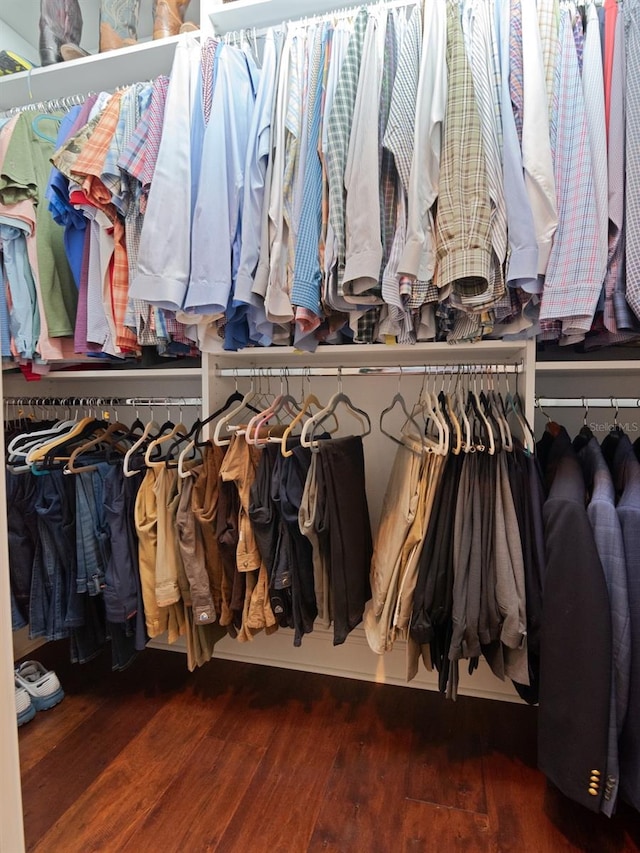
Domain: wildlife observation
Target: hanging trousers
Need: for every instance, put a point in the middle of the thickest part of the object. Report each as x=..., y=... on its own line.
x=343, y=522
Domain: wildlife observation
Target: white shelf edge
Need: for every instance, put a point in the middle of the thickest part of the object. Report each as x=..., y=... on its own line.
x=375, y=354
x=113, y=375
x=587, y=366
x=139, y=62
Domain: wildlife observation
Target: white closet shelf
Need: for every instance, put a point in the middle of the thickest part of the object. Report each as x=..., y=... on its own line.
x=102, y=71
x=375, y=355
x=589, y=366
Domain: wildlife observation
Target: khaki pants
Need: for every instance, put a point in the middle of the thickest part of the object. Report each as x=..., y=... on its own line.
x=158, y=619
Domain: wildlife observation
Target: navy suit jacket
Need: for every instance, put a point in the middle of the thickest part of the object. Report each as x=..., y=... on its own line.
x=575, y=639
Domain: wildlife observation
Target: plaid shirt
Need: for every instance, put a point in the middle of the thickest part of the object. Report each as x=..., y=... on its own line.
x=593, y=87
x=573, y=284
x=339, y=129
x=89, y=166
x=463, y=224
x=155, y=121
x=399, y=133
x=132, y=159
x=487, y=83
x=548, y=20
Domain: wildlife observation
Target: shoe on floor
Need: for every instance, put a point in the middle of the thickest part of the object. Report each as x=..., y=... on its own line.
x=25, y=709
x=42, y=685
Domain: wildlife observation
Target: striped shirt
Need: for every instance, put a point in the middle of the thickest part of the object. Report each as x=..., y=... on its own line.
x=632, y=150
x=307, y=276
x=615, y=156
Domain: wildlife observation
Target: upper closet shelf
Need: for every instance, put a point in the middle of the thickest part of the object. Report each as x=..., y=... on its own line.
x=104, y=71
x=379, y=355
x=243, y=14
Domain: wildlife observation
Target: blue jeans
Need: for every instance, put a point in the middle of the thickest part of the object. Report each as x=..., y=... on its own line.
x=122, y=591
x=24, y=543
x=53, y=606
x=93, y=547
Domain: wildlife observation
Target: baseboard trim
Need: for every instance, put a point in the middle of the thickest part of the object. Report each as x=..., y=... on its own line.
x=353, y=659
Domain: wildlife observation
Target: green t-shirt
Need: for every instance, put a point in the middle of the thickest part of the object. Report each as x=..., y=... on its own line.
x=24, y=175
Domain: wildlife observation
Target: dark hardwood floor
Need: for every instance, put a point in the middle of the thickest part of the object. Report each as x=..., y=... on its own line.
x=236, y=757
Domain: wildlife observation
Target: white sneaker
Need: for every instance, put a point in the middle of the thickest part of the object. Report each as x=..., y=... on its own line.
x=25, y=709
x=42, y=685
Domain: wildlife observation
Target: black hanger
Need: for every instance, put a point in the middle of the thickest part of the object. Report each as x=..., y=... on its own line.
x=170, y=462
x=610, y=442
x=585, y=435
x=236, y=397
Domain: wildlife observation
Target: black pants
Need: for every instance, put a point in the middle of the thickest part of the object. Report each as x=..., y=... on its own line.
x=343, y=525
x=294, y=471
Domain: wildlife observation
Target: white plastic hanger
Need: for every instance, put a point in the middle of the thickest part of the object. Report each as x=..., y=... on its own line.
x=149, y=427
x=308, y=430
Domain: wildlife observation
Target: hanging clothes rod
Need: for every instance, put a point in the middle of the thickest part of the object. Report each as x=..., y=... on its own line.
x=404, y=370
x=66, y=102
x=63, y=103
x=273, y=22
x=102, y=401
x=351, y=11
x=587, y=403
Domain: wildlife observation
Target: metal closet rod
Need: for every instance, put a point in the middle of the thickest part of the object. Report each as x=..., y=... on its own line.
x=398, y=370
x=587, y=402
x=308, y=20
x=103, y=401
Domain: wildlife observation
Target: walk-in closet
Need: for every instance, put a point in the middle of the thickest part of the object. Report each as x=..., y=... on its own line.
x=321, y=400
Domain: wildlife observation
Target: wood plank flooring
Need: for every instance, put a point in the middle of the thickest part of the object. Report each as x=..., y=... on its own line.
x=239, y=758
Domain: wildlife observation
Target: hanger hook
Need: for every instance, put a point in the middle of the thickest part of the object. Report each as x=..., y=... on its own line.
x=586, y=411
x=340, y=380
x=539, y=406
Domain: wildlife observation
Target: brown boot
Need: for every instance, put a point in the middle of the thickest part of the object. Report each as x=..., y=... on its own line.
x=168, y=17
x=118, y=23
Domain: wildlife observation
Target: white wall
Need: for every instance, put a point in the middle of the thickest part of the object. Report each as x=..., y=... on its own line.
x=11, y=40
